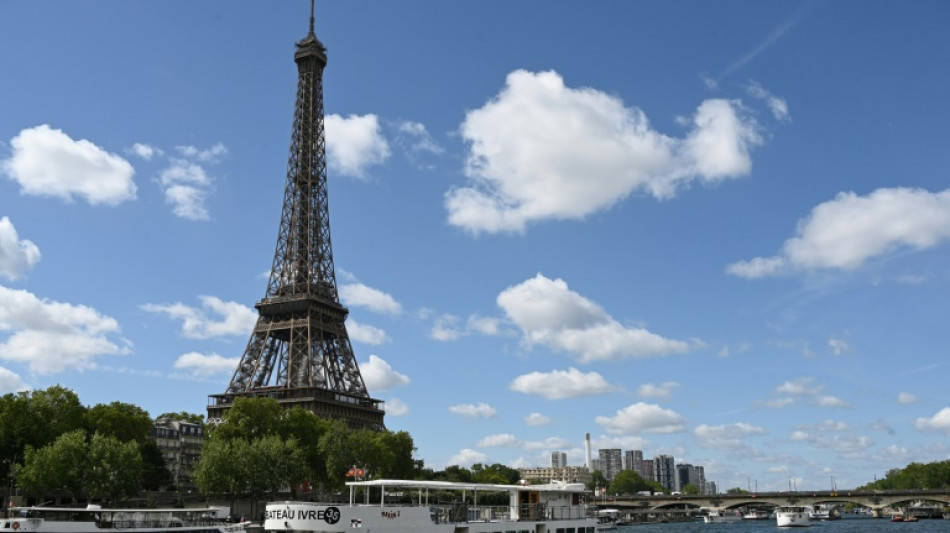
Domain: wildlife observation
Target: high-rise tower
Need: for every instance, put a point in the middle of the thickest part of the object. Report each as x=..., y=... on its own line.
x=299, y=352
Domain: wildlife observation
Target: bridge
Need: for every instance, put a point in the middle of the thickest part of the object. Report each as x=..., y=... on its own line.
x=876, y=500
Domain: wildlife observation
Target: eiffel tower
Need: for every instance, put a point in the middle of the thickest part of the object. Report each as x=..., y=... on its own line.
x=299, y=352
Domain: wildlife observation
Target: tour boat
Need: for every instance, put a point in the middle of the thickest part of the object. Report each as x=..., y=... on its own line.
x=792, y=516
x=608, y=519
x=722, y=517
x=757, y=514
x=95, y=519
x=407, y=506
x=824, y=512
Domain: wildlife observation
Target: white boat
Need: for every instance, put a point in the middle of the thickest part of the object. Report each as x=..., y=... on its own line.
x=722, y=517
x=824, y=511
x=405, y=506
x=95, y=519
x=792, y=516
x=607, y=519
x=757, y=514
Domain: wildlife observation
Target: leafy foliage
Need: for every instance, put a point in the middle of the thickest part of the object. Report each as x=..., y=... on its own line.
x=915, y=476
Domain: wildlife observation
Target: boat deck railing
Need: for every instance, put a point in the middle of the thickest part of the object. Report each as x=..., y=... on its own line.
x=460, y=513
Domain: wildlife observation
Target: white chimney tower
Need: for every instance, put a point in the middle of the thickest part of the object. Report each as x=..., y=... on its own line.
x=587, y=450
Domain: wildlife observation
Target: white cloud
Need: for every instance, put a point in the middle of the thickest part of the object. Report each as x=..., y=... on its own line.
x=378, y=375
x=419, y=138
x=938, y=422
x=359, y=295
x=210, y=155
x=906, y=398
x=396, y=407
x=51, y=337
x=203, y=365
x=16, y=256
x=145, y=151
x=798, y=387
x=365, y=333
x=550, y=314
x=186, y=186
x=467, y=458
x=642, y=418
x=663, y=390
x=11, y=382
x=500, y=440
x=540, y=150
x=447, y=327
x=548, y=444
x=839, y=346
x=850, y=230
x=726, y=437
x=354, y=143
x=47, y=162
x=537, y=419
x=831, y=401
x=234, y=318
x=467, y=410
x=778, y=106
x=561, y=385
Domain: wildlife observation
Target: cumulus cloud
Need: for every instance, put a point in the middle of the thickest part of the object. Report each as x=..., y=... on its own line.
x=906, y=398
x=847, y=232
x=202, y=365
x=354, y=143
x=208, y=155
x=561, y=384
x=16, y=256
x=726, y=437
x=939, y=422
x=467, y=457
x=230, y=318
x=50, y=337
x=831, y=401
x=47, y=162
x=642, y=418
x=378, y=375
x=798, y=387
x=550, y=443
x=11, y=382
x=186, y=186
x=448, y=327
x=541, y=150
x=359, y=295
x=468, y=410
x=145, y=151
x=506, y=440
x=550, y=314
x=396, y=407
x=663, y=390
x=537, y=419
x=365, y=333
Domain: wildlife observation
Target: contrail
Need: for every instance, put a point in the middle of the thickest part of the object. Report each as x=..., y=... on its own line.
x=776, y=34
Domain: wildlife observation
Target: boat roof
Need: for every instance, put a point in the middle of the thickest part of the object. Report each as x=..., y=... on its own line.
x=119, y=510
x=554, y=486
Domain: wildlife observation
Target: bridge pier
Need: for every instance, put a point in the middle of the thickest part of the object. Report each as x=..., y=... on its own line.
x=877, y=512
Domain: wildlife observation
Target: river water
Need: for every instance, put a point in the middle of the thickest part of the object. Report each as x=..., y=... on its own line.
x=848, y=524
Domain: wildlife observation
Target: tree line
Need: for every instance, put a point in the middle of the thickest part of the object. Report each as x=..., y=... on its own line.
x=915, y=476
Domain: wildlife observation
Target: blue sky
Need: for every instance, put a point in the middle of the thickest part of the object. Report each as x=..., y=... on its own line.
x=715, y=230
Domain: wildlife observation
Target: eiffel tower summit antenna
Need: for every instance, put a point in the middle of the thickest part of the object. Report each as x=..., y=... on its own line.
x=299, y=352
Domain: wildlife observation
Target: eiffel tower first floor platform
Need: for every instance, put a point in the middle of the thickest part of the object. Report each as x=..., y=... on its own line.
x=358, y=412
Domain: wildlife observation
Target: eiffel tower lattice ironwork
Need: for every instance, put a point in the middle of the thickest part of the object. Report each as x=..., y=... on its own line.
x=299, y=352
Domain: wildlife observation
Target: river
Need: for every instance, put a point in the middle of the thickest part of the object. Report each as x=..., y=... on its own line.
x=848, y=524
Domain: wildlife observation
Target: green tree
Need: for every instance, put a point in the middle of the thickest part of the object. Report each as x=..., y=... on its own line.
x=58, y=466
x=114, y=467
x=155, y=475
x=249, y=419
x=690, y=488
x=123, y=421
x=59, y=410
x=627, y=482
x=495, y=474
x=597, y=480
x=307, y=429
x=184, y=416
